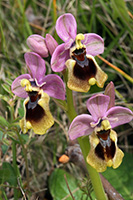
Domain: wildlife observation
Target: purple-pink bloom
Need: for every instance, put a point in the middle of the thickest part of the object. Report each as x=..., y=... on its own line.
x=101, y=116
x=66, y=28
x=42, y=46
x=51, y=84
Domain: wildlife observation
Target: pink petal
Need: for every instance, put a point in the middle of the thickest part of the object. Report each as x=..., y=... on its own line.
x=80, y=126
x=35, y=65
x=94, y=44
x=119, y=115
x=54, y=86
x=97, y=106
x=37, y=44
x=66, y=27
x=51, y=43
x=59, y=57
x=110, y=91
x=16, y=87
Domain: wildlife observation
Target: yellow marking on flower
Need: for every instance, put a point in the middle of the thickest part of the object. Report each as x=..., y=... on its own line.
x=28, y=125
x=26, y=83
x=92, y=81
x=106, y=125
x=109, y=163
x=78, y=39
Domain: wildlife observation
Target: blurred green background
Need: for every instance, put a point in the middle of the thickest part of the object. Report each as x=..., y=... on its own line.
x=112, y=20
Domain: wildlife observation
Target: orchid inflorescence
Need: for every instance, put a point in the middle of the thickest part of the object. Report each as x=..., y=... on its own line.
x=76, y=58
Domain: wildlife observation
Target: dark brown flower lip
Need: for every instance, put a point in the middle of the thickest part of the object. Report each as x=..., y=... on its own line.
x=84, y=70
x=107, y=152
x=34, y=113
x=106, y=147
x=33, y=99
x=103, y=134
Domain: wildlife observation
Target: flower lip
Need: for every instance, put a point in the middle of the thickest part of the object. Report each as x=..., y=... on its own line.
x=85, y=69
x=33, y=99
x=37, y=114
x=106, y=150
x=104, y=153
x=34, y=112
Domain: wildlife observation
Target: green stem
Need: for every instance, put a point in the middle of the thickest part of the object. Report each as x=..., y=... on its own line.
x=8, y=186
x=71, y=113
x=15, y=168
x=85, y=146
x=25, y=158
x=94, y=175
x=4, y=194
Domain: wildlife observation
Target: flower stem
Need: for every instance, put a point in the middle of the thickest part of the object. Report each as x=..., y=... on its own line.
x=94, y=175
x=15, y=168
x=85, y=146
x=25, y=158
x=71, y=113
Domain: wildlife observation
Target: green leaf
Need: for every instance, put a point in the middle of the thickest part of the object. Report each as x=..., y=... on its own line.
x=58, y=186
x=1, y=135
x=25, y=138
x=7, y=88
x=62, y=104
x=4, y=148
x=3, y=122
x=7, y=174
x=122, y=177
x=4, y=97
x=120, y=9
x=21, y=109
x=8, y=81
x=4, y=173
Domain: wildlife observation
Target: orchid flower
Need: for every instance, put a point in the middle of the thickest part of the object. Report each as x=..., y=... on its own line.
x=41, y=45
x=103, y=140
x=77, y=55
x=36, y=88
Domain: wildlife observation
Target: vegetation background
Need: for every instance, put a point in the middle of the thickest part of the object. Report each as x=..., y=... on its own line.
x=29, y=167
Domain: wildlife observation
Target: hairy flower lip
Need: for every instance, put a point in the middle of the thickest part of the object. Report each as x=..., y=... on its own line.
x=37, y=114
x=103, y=155
x=83, y=74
